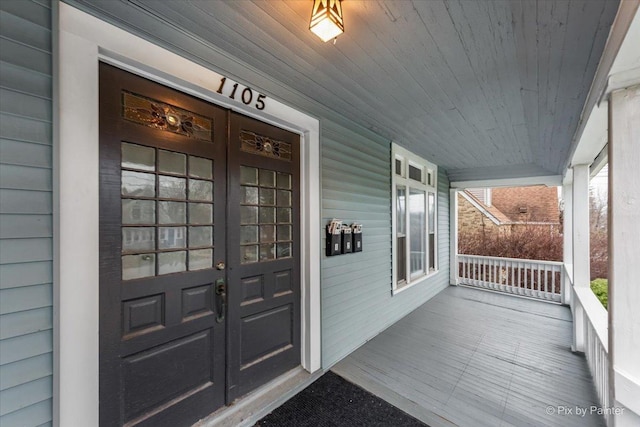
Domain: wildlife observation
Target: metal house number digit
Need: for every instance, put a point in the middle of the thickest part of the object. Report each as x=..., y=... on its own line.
x=246, y=95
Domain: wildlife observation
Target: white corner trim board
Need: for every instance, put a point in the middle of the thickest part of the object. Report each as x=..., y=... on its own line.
x=84, y=41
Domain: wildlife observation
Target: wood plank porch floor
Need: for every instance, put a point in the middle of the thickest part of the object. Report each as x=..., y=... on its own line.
x=474, y=358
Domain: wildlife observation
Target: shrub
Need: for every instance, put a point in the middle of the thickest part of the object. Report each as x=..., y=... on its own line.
x=522, y=241
x=600, y=287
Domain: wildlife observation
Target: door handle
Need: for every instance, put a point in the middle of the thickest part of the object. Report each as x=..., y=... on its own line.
x=221, y=292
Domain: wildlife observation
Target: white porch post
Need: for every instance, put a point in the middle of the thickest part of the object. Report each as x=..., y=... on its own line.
x=580, y=237
x=624, y=238
x=453, y=239
x=567, y=231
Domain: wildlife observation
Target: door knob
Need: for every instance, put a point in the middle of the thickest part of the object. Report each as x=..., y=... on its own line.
x=220, y=265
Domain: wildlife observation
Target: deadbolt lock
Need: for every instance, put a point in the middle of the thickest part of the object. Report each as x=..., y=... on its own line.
x=220, y=265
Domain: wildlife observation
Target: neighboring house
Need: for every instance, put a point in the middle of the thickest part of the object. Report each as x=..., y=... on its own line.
x=167, y=171
x=490, y=210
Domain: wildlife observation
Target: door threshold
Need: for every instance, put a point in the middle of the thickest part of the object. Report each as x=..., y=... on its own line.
x=251, y=408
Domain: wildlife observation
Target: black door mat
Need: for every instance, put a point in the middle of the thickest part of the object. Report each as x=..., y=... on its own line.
x=333, y=401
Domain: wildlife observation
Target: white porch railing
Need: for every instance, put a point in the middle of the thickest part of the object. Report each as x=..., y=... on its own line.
x=536, y=279
x=587, y=309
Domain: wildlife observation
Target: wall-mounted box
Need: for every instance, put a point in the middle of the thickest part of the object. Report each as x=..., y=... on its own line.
x=357, y=242
x=346, y=240
x=343, y=239
x=334, y=243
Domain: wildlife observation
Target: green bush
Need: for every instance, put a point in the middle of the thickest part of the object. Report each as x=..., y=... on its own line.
x=600, y=287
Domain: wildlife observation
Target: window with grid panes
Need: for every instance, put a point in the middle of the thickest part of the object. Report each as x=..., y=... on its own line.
x=265, y=215
x=414, y=218
x=167, y=212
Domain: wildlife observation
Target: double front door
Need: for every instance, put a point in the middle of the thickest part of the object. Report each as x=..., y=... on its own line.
x=199, y=253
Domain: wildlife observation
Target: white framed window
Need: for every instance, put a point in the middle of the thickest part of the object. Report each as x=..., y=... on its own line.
x=414, y=213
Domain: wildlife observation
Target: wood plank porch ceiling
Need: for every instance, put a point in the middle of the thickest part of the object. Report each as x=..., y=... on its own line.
x=486, y=89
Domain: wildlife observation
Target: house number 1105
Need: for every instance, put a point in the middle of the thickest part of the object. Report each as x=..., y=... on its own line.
x=246, y=95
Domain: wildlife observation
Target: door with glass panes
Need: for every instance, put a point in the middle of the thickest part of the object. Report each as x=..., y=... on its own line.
x=199, y=244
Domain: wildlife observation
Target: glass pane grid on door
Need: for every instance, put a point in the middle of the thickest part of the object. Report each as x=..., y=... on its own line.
x=265, y=215
x=167, y=212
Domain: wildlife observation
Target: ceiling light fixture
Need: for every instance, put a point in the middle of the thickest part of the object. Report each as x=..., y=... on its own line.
x=326, y=19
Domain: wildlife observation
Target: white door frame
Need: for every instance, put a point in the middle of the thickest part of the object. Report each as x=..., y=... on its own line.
x=84, y=41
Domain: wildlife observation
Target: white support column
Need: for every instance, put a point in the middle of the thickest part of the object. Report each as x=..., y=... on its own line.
x=580, y=199
x=624, y=258
x=567, y=230
x=453, y=238
x=580, y=237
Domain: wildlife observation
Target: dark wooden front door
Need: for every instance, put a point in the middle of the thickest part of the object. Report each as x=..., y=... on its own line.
x=199, y=264
x=264, y=333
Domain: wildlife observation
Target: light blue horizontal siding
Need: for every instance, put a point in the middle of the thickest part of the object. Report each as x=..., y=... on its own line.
x=36, y=414
x=37, y=12
x=14, y=226
x=25, y=274
x=27, y=394
x=25, y=250
x=25, y=322
x=24, y=154
x=25, y=105
x=13, y=300
x=25, y=31
x=356, y=288
x=26, y=229
x=25, y=178
x=25, y=346
x=27, y=81
x=25, y=370
x=25, y=56
x=25, y=202
x=25, y=129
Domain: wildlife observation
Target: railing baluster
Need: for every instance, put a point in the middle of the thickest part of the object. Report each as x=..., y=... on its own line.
x=492, y=273
x=504, y=281
x=532, y=280
x=475, y=272
x=512, y=276
x=522, y=277
x=468, y=271
x=472, y=272
x=485, y=281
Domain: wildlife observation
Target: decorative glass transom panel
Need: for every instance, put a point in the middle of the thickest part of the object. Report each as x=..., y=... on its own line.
x=158, y=115
x=264, y=146
x=265, y=215
x=167, y=212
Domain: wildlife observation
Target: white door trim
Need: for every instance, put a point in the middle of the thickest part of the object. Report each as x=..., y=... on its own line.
x=84, y=41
